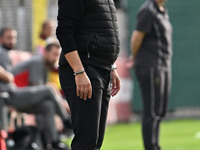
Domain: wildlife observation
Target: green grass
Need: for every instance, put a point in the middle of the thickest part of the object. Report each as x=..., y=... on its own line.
x=175, y=135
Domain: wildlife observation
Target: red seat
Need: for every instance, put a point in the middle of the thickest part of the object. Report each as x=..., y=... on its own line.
x=22, y=79
x=3, y=136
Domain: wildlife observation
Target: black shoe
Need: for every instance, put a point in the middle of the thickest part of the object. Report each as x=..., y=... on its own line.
x=59, y=146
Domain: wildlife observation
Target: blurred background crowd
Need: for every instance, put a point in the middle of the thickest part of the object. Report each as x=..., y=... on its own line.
x=35, y=23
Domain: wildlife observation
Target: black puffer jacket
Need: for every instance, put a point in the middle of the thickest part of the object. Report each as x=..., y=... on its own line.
x=89, y=26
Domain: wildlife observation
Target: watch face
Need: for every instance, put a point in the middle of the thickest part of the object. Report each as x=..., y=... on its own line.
x=114, y=66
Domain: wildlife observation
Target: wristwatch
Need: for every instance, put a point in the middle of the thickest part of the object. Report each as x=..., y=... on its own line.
x=114, y=66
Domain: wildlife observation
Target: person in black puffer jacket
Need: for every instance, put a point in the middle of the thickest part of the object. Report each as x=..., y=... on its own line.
x=88, y=33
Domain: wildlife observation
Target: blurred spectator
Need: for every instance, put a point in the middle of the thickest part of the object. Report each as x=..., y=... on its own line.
x=34, y=99
x=47, y=35
x=38, y=68
x=151, y=46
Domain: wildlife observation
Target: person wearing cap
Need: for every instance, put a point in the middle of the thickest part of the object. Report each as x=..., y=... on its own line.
x=151, y=46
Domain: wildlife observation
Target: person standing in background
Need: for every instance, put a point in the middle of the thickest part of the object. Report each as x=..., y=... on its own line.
x=88, y=34
x=151, y=46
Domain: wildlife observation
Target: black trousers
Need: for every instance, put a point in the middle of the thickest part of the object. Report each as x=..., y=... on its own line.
x=88, y=117
x=155, y=87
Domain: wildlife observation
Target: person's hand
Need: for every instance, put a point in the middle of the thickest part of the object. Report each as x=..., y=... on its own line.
x=10, y=77
x=5, y=75
x=116, y=84
x=130, y=62
x=83, y=86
